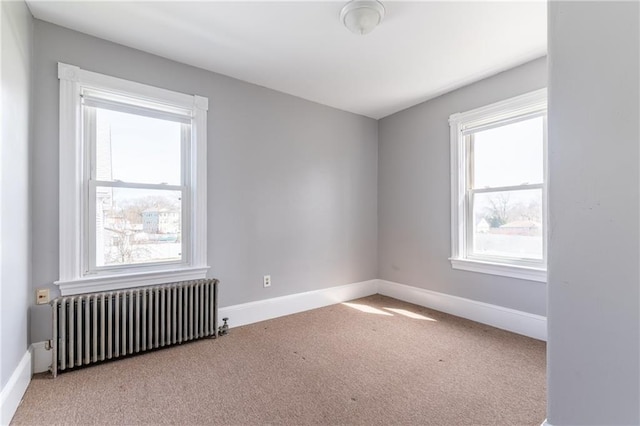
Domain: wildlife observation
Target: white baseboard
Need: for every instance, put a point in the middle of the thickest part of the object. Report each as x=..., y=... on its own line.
x=497, y=316
x=12, y=392
x=261, y=310
x=40, y=358
x=546, y=423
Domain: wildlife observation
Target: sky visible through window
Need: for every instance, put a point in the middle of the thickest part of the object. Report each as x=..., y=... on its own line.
x=143, y=149
x=509, y=155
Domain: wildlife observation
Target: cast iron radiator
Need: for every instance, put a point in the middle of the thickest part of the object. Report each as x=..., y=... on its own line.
x=95, y=327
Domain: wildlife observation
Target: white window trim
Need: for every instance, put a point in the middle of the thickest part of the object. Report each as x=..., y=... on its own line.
x=471, y=121
x=73, y=193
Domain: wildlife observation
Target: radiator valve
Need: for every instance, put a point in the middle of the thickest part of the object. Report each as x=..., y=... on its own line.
x=224, y=328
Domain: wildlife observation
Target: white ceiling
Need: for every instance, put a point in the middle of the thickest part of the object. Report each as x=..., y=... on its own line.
x=421, y=49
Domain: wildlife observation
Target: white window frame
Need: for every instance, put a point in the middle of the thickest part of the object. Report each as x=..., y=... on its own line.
x=76, y=275
x=498, y=114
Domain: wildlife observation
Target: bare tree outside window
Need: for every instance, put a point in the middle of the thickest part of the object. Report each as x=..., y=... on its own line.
x=499, y=212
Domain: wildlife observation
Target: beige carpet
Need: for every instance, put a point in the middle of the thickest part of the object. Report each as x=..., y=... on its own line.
x=373, y=361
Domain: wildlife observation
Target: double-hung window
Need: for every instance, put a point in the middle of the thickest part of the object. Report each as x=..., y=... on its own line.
x=132, y=183
x=499, y=188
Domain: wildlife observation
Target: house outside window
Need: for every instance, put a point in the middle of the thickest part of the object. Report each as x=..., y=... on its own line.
x=132, y=183
x=499, y=188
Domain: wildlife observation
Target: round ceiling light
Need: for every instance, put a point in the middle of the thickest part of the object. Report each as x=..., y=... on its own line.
x=362, y=16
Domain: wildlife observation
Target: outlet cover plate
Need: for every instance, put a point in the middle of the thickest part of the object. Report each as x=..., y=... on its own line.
x=42, y=296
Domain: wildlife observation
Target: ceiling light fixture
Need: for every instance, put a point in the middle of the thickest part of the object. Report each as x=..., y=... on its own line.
x=362, y=16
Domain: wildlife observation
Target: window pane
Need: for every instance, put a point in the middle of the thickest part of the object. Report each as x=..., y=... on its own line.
x=508, y=224
x=137, y=226
x=509, y=155
x=135, y=148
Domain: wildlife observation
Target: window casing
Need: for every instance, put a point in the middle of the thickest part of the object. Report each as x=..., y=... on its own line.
x=499, y=188
x=124, y=144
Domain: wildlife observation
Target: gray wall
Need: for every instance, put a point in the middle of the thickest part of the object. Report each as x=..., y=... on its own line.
x=414, y=208
x=15, y=257
x=292, y=185
x=594, y=299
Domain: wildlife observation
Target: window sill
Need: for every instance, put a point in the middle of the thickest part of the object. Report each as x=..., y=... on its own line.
x=520, y=272
x=97, y=283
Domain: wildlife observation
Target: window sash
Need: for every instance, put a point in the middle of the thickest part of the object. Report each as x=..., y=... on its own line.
x=469, y=146
x=91, y=235
x=466, y=138
x=89, y=138
x=470, y=234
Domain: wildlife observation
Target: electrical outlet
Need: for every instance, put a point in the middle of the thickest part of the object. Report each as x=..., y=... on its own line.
x=42, y=296
x=266, y=281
